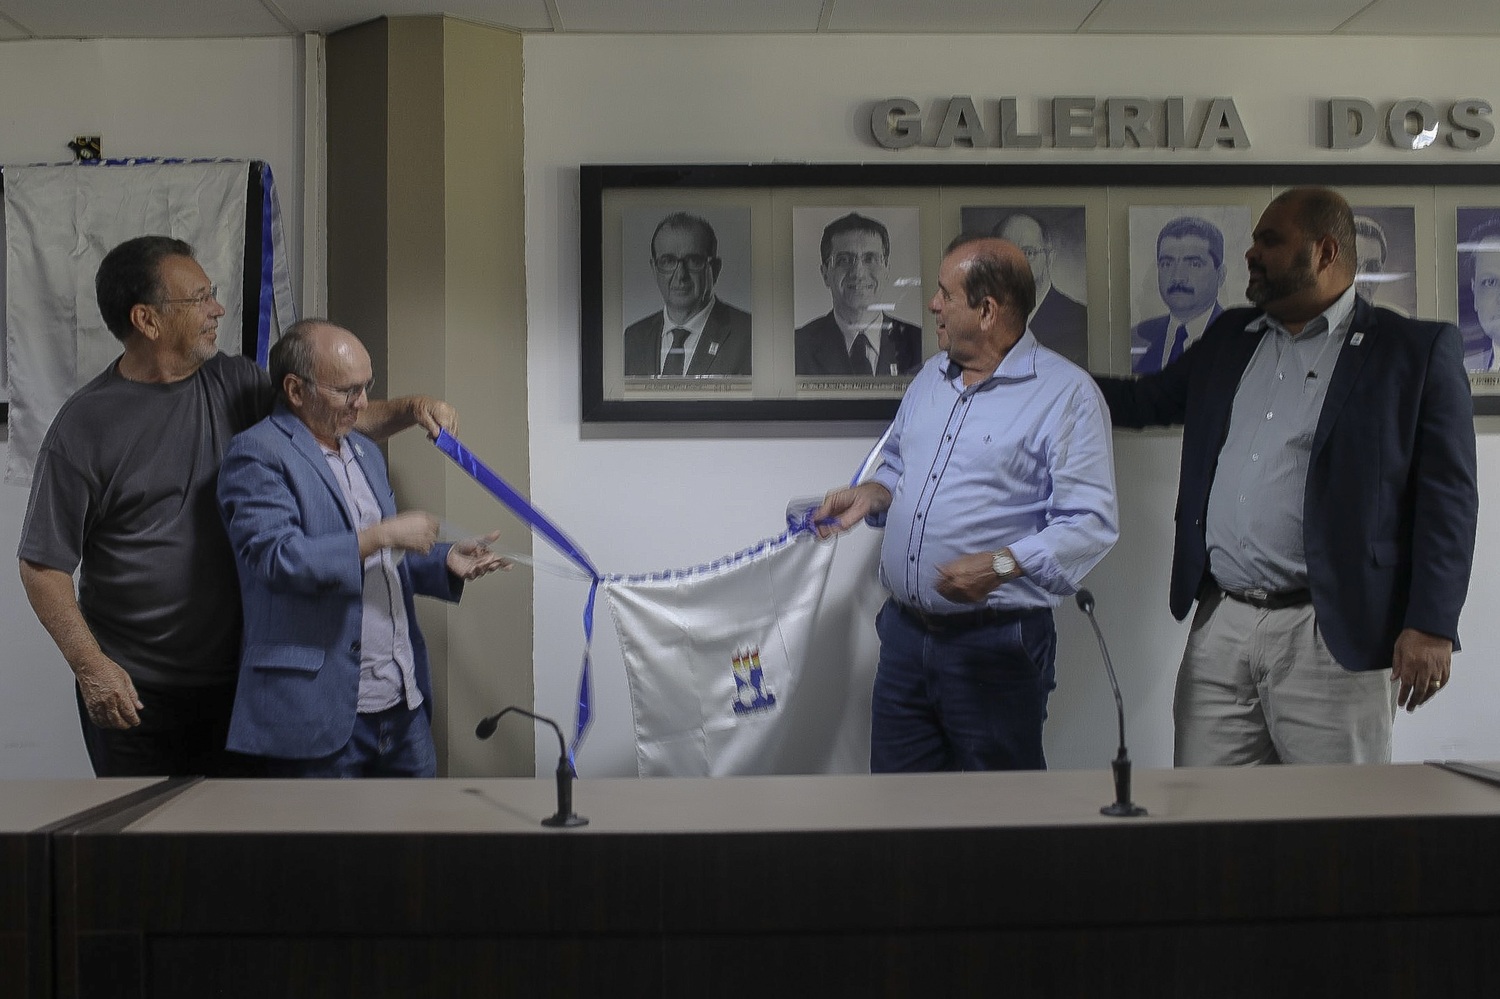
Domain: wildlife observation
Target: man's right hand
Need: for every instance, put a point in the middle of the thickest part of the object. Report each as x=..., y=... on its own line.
x=108, y=694
x=844, y=508
x=413, y=531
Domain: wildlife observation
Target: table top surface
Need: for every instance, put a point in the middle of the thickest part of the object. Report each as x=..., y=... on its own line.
x=802, y=804
x=28, y=805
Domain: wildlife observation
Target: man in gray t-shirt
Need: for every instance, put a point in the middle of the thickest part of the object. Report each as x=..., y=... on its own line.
x=123, y=493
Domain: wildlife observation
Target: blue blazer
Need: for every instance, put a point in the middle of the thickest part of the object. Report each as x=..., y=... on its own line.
x=1391, y=503
x=302, y=586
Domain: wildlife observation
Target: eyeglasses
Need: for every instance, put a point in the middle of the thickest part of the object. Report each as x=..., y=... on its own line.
x=846, y=261
x=212, y=294
x=351, y=393
x=668, y=263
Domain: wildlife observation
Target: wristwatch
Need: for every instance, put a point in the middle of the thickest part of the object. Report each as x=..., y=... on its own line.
x=1004, y=565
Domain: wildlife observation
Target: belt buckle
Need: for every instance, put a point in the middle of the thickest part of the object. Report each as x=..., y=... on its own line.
x=1259, y=593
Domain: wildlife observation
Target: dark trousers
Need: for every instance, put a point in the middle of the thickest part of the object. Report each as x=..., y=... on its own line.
x=971, y=697
x=182, y=733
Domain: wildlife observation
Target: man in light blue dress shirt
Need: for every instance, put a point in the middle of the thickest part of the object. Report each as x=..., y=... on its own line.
x=997, y=495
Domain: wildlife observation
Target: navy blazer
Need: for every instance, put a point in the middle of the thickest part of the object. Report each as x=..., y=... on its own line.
x=820, y=350
x=1149, y=339
x=1391, y=502
x=1061, y=323
x=302, y=588
x=723, y=348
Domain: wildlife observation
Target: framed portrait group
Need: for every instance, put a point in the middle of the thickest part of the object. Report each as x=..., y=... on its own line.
x=799, y=292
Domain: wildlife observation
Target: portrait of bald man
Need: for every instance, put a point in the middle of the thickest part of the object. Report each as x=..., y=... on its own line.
x=1059, y=321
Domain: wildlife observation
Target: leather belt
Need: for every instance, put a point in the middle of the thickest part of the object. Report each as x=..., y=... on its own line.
x=1270, y=599
x=965, y=620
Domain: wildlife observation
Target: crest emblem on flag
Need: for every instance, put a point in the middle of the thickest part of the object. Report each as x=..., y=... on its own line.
x=751, y=694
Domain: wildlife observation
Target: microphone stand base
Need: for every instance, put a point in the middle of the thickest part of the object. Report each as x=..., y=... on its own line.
x=561, y=821
x=1122, y=810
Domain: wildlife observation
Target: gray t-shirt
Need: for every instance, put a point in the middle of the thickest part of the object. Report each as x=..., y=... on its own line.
x=125, y=487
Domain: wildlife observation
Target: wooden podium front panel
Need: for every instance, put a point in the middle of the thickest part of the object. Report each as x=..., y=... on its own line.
x=838, y=885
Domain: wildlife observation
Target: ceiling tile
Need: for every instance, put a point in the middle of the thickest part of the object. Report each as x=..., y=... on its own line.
x=331, y=15
x=1223, y=17
x=143, y=18
x=691, y=16
x=960, y=16
x=1428, y=17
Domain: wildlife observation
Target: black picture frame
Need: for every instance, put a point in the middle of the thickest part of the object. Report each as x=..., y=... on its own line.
x=598, y=181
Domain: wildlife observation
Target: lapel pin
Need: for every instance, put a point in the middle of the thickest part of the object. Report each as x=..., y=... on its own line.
x=1356, y=339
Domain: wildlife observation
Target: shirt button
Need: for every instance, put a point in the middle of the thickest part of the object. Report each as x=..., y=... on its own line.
x=1269, y=415
x=1255, y=457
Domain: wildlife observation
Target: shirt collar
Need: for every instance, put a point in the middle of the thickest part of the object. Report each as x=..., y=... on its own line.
x=1018, y=364
x=1331, y=318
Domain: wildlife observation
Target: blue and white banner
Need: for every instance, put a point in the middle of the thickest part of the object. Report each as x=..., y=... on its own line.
x=715, y=656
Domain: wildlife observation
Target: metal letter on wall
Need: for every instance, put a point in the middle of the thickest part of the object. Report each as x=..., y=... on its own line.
x=1010, y=135
x=1351, y=123
x=961, y=122
x=895, y=123
x=1128, y=118
x=1068, y=114
x=1402, y=137
x=1222, y=126
x=1472, y=126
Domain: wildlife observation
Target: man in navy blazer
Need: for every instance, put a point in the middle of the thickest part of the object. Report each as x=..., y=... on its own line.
x=1326, y=508
x=695, y=333
x=334, y=678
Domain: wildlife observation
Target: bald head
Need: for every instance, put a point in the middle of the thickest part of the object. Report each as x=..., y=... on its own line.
x=323, y=374
x=1030, y=236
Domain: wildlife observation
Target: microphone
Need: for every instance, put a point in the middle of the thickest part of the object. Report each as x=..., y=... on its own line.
x=564, y=818
x=1122, y=806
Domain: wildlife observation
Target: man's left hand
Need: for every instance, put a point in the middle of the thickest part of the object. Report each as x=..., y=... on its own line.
x=1422, y=665
x=473, y=558
x=968, y=579
x=434, y=415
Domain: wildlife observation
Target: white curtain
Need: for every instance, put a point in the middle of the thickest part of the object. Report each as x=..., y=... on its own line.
x=60, y=221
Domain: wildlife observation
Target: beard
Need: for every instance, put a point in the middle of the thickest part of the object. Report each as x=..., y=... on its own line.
x=1274, y=287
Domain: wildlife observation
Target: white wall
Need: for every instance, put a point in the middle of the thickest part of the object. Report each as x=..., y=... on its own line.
x=656, y=501
x=201, y=97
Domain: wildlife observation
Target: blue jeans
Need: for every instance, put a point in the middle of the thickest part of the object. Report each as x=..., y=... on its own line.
x=396, y=742
x=962, y=699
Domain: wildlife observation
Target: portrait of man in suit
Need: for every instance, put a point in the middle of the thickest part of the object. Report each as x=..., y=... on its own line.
x=858, y=335
x=1189, y=275
x=1059, y=321
x=1479, y=276
x=695, y=334
x=1385, y=251
x=1371, y=247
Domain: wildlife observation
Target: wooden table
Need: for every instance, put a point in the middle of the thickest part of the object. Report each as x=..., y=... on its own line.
x=1292, y=880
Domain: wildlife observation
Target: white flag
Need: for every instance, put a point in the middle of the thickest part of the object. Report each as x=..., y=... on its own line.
x=715, y=657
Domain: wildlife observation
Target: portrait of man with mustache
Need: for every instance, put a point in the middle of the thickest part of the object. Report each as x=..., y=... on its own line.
x=1189, y=275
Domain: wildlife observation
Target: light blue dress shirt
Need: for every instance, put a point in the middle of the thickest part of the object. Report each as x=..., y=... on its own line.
x=1022, y=460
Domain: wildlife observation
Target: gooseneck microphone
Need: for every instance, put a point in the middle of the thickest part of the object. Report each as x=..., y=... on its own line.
x=564, y=817
x=1122, y=806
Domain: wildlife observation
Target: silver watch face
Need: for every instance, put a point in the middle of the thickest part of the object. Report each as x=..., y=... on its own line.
x=1004, y=564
